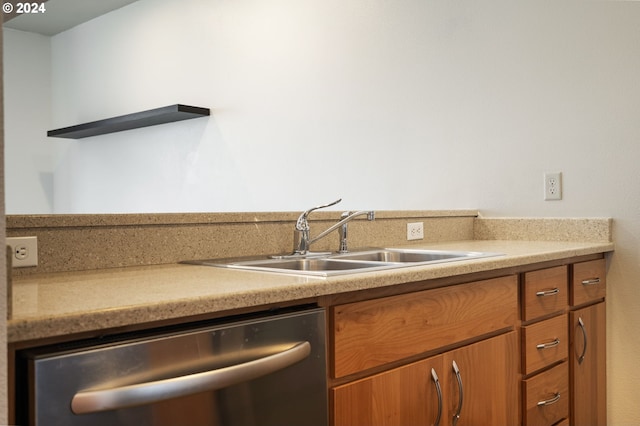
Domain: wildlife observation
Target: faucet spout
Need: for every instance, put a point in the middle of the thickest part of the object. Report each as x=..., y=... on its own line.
x=344, y=230
x=348, y=217
x=302, y=238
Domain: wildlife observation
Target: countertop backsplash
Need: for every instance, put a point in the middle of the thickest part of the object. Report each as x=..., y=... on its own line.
x=88, y=242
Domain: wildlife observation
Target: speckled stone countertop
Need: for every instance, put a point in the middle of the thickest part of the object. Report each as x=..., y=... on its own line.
x=56, y=304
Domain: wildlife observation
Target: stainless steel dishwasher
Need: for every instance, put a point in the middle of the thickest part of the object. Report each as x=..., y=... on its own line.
x=269, y=370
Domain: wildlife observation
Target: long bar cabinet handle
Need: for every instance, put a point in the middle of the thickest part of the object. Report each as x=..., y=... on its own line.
x=591, y=281
x=548, y=292
x=549, y=345
x=553, y=400
x=93, y=401
x=434, y=376
x=456, y=416
x=584, y=334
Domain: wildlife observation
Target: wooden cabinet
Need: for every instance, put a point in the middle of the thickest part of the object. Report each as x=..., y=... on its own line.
x=545, y=343
x=563, y=345
x=375, y=332
x=587, y=354
x=544, y=292
x=546, y=396
x=588, y=282
x=588, y=366
x=480, y=389
x=407, y=395
x=528, y=349
x=488, y=379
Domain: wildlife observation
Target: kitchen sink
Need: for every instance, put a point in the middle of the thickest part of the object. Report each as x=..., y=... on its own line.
x=408, y=256
x=310, y=265
x=374, y=259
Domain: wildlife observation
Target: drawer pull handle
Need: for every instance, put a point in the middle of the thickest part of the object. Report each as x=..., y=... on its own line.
x=553, y=400
x=434, y=376
x=591, y=281
x=456, y=416
x=548, y=292
x=584, y=335
x=553, y=344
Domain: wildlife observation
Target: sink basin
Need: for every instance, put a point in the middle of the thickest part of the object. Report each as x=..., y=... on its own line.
x=346, y=263
x=409, y=256
x=310, y=266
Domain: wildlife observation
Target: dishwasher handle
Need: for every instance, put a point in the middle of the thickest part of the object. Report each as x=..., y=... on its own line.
x=95, y=401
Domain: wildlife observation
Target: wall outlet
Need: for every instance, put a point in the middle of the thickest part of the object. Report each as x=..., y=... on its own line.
x=553, y=186
x=24, y=251
x=415, y=231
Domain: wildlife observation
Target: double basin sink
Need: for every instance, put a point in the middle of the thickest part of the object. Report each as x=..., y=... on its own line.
x=325, y=265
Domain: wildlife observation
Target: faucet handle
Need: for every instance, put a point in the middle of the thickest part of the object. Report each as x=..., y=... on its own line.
x=302, y=224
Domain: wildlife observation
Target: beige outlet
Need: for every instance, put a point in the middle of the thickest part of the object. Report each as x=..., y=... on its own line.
x=24, y=251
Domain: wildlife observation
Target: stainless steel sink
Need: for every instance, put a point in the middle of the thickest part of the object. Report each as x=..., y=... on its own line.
x=409, y=256
x=310, y=266
x=346, y=263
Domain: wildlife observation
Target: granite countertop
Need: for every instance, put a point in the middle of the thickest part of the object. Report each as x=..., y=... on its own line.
x=49, y=305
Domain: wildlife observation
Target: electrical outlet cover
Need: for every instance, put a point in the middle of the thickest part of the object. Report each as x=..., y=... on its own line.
x=553, y=186
x=415, y=231
x=24, y=251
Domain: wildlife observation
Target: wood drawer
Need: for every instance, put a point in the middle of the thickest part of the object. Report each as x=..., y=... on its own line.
x=375, y=332
x=547, y=387
x=544, y=343
x=544, y=292
x=588, y=282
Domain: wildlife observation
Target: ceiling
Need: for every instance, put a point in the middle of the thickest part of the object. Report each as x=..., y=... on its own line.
x=61, y=15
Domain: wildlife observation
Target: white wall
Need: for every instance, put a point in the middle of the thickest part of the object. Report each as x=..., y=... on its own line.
x=390, y=105
x=29, y=164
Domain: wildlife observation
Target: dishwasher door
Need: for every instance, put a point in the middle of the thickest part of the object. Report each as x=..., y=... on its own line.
x=265, y=371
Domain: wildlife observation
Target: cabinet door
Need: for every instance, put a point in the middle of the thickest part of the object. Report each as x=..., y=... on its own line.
x=403, y=396
x=482, y=387
x=372, y=333
x=588, y=366
x=409, y=395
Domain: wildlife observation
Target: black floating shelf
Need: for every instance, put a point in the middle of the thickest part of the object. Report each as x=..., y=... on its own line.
x=136, y=120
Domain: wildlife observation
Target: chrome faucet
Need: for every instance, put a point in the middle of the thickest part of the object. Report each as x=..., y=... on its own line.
x=302, y=238
x=346, y=218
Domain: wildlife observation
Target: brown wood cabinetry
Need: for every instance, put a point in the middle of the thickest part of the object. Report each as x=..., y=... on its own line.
x=587, y=354
x=545, y=343
x=544, y=292
x=375, y=332
x=480, y=389
x=546, y=396
x=563, y=345
x=406, y=395
x=588, y=283
x=488, y=379
x=527, y=348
